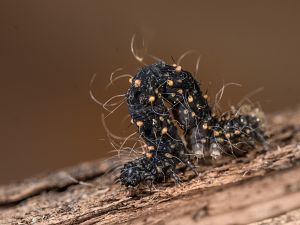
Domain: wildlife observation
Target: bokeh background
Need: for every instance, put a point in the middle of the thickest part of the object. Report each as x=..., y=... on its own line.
x=49, y=51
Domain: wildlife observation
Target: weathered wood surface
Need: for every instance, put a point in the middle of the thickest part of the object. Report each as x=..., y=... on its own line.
x=264, y=184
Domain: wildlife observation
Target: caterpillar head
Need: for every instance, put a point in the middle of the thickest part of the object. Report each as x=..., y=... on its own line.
x=131, y=175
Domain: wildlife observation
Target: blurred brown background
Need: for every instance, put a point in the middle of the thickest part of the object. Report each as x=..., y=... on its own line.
x=50, y=49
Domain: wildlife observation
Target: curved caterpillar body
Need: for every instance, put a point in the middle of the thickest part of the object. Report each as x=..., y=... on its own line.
x=157, y=85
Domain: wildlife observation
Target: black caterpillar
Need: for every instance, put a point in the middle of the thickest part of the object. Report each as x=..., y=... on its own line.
x=157, y=85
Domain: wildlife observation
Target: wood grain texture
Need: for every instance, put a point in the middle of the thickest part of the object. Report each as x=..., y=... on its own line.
x=263, y=184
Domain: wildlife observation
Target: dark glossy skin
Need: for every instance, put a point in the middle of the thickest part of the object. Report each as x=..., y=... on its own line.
x=151, y=88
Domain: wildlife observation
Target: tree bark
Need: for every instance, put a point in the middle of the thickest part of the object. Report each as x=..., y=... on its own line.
x=264, y=184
